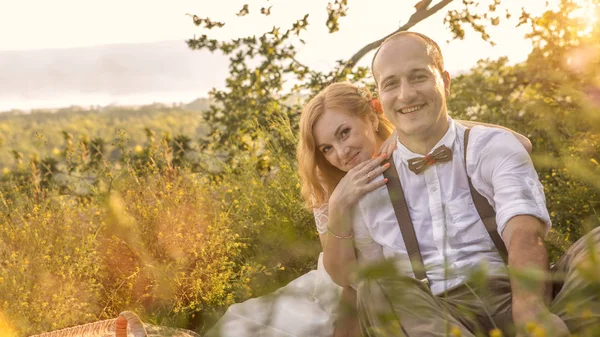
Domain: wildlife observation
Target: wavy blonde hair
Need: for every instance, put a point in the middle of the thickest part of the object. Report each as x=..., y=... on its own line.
x=319, y=178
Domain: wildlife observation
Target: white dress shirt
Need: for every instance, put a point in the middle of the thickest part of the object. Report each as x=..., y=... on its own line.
x=448, y=228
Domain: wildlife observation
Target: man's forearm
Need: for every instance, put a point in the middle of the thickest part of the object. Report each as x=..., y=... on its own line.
x=526, y=252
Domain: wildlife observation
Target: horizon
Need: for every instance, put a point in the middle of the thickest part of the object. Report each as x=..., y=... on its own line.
x=121, y=82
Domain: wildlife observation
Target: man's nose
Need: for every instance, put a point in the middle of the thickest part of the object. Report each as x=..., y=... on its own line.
x=407, y=93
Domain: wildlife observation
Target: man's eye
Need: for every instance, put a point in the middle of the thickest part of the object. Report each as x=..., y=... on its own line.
x=420, y=77
x=389, y=84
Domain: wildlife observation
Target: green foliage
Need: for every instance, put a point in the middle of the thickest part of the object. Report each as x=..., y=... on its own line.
x=176, y=217
x=548, y=99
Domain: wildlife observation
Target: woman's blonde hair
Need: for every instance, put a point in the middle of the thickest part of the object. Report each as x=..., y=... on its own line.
x=319, y=178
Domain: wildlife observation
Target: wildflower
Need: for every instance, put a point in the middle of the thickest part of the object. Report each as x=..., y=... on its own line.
x=455, y=332
x=496, y=333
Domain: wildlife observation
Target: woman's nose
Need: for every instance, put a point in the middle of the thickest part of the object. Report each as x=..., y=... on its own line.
x=344, y=152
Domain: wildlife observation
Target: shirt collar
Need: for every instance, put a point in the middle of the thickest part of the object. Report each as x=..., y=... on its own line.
x=404, y=154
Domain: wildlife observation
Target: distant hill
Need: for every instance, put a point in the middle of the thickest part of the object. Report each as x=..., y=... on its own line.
x=123, y=74
x=40, y=133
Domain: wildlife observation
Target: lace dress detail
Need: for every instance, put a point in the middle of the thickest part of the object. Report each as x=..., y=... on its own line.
x=321, y=218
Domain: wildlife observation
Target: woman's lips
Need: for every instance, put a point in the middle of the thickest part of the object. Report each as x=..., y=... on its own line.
x=354, y=158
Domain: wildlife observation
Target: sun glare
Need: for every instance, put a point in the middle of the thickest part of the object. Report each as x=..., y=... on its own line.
x=588, y=12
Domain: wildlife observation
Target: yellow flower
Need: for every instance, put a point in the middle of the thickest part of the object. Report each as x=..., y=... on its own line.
x=535, y=330
x=496, y=333
x=455, y=332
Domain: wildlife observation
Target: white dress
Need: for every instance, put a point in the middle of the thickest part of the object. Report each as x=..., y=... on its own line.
x=304, y=307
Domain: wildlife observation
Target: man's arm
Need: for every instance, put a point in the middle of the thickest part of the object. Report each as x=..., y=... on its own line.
x=526, y=253
x=523, y=236
x=523, y=221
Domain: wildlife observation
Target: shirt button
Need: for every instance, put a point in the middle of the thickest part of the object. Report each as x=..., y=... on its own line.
x=433, y=189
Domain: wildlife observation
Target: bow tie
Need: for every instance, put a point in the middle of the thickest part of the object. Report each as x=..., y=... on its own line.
x=439, y=155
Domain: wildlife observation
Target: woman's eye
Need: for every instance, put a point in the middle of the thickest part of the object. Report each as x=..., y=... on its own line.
x=420, y=77
x=325, y=149
x=345, y=132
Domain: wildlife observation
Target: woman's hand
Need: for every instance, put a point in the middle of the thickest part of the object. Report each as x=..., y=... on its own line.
x=389, y=145
x=358, y=182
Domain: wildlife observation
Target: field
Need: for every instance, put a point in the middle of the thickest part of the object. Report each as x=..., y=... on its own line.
x=176, y=212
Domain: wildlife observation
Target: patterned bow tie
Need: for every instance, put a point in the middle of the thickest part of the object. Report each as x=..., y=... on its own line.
x=439, y=155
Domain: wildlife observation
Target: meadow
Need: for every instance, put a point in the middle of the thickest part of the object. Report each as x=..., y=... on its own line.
x=177, y=212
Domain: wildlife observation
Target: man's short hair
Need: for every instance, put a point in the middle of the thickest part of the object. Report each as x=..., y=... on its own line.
x=433, y=49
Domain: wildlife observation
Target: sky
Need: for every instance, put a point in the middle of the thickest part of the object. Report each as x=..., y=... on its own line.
x=28, y=25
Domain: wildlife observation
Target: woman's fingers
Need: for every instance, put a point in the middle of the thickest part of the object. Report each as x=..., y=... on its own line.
x=360, y=166
x=371, y=165
x=373, y=185
x=389, y=145
x=379, y=170
x=372, y=171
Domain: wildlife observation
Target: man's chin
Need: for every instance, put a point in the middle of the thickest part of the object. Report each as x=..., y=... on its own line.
x=416, y=129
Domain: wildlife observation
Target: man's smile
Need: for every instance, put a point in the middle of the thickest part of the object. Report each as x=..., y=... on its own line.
x=410, y=109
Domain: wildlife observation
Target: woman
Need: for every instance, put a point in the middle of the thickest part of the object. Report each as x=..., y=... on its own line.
x=341, y=129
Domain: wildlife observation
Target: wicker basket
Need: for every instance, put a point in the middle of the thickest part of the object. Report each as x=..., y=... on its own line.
x=128, y=324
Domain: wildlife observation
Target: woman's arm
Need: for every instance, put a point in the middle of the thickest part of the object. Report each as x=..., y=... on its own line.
x=524, y=140
x=339, y=256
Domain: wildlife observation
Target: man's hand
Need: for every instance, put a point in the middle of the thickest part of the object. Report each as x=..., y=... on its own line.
x=539, y=321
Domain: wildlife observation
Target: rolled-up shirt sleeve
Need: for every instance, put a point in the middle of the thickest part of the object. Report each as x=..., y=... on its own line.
x=502, y=171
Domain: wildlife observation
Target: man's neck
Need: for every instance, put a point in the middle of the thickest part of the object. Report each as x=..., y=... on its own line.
x=423, y=143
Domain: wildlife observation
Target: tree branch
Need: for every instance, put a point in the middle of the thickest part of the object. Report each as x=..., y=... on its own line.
x=420, y=15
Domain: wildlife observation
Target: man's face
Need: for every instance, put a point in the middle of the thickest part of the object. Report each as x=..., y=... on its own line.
x=411, y=88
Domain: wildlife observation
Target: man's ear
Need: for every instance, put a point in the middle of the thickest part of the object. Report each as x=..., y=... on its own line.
x=446, y=79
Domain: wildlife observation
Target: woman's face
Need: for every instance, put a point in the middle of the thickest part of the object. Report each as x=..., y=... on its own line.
x=345, y=140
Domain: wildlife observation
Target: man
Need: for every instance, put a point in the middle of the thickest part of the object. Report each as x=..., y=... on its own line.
x=452, y=239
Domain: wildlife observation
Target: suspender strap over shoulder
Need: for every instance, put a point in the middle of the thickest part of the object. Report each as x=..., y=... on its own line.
x=407, y=229
x=485, y=210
